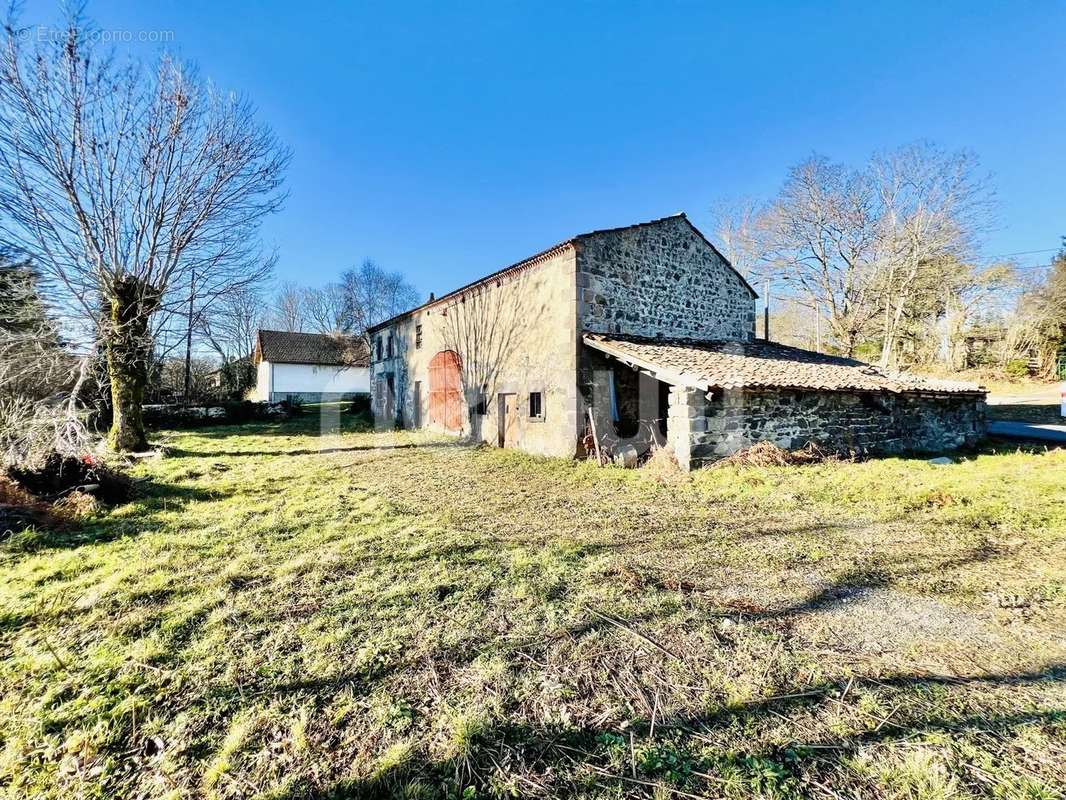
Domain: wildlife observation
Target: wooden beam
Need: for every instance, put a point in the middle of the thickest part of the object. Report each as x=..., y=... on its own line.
x=666, y=376
x=595, y=438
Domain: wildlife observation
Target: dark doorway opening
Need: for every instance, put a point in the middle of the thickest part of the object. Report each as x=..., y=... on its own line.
x=664, y=406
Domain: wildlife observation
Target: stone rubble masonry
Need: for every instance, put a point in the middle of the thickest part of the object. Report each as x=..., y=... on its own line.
x=661, y=280
x=703, y=431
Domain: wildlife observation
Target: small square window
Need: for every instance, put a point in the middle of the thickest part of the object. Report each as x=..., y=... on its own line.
x=536, y=406
x=418, y=337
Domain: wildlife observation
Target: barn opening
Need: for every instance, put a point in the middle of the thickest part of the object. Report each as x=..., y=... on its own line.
x=446, y=391
x=640, y=403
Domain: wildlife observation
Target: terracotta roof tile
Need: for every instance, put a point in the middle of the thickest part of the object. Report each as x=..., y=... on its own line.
x=285, y=347
x=760, y=364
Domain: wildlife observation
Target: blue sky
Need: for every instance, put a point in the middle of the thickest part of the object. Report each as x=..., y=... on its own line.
x=446, y=140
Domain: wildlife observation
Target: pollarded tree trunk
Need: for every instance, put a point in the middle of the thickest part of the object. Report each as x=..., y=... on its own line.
x=129, y=348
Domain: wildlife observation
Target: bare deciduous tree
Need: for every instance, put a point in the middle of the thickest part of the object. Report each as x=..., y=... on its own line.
x=820, y=237
x=231, y=327
x=363, y=297
x=737, y=227
x=871, y=250
x=289, y=309
x=124, y=183
x=325, y=308
x=1040, y=325
x=483, y=326
x=932, y=207
x=230, y=330
x=372, y=295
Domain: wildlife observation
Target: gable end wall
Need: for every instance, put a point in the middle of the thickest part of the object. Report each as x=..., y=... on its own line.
x=661, y=279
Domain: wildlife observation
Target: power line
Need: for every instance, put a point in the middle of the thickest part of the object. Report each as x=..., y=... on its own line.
x=1026, y=252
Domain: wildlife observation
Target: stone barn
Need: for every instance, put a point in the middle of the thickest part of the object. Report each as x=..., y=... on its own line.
x=644, y=335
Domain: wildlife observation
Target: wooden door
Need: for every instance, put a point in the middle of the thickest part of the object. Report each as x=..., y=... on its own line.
x=390, y=400
x=508, y=420
x=445, y=391
x=384, y=387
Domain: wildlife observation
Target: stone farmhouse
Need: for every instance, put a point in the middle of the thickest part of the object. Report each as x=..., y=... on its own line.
x=637, y=337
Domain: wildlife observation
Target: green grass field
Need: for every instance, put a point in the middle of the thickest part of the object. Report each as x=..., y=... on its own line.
x=290, y=613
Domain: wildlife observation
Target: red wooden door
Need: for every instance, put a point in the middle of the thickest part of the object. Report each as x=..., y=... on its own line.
x=445, y=390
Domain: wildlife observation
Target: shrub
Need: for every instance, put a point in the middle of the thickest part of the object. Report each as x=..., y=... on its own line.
x=360, y=405
x=1017, y=368
x=238, y=412
x=228, y=412
x=662, y=466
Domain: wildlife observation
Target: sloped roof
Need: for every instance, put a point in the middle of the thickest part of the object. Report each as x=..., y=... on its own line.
x=538, y=257
x=760, y=364
x=286, y=347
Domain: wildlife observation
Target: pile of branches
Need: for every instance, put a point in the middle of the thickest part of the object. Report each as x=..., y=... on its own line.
x=59, y=476
x=768, y=454
x=19, y=509
x=31, y=430
x=47, y=472
x=57, y=489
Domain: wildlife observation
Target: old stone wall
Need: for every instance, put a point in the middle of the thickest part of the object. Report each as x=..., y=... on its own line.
x=661, y=279
x=844, y=422
x=315, y=397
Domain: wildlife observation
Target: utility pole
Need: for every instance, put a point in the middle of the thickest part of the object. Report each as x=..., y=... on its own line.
x=766, y=310
x=188, y=341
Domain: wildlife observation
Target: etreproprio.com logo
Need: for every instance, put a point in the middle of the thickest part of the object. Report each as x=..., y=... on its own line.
x=45, y=33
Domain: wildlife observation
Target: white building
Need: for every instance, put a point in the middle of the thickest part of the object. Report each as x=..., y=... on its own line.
x=312, y=367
